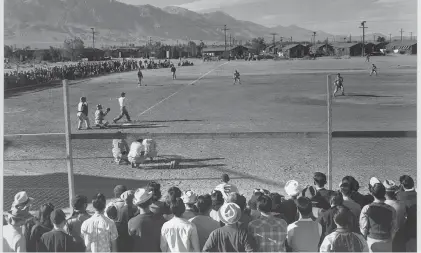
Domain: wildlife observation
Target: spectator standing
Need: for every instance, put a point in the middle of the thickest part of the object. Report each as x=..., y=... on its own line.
x=317, y=202
x=354, y=207
x=173, y=193
x=123, y=110
x=225, y=187
x=157, y=207
x=411, y=229
x=277, y=200
x=140, y=77
x=241, y=201
x=82, y=114
x=293, y=190
x=343, y=239
x=79, y=215
x=378, y=221
x=22, y=205
x=399, y=239
x=189, y=199
x=232, y=237
x=145, y=228
x=99, y=232
x=204, y=224
x=362, y=200
x=57, y=240
x=117, y=201
x=217, y=202
x=13, y=238
x=304, y=235
x=178, y=234
x=42, y=226
x=407, y=194
x=269, y=232
x=320, y=182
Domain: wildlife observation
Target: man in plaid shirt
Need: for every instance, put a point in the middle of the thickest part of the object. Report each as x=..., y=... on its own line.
x=269, y=232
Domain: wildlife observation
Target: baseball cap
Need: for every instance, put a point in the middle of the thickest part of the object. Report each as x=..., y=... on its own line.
x=57, y=216
x=374, y=180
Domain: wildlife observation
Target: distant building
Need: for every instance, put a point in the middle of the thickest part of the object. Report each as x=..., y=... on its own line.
x=406, y=47
x=380, y=45
x=234, y=51
x=294, y=51
x=351, y=49
x=93, y=54
x=323, y=49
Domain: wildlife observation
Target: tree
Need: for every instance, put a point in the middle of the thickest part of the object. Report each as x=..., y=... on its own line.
x=258, y=44
x=8, y=51
x=381, y=39
x=73, y=47
x=55, y=54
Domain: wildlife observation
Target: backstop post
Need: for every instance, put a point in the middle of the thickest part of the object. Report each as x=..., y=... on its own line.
x=329, y=132
x=69, y=155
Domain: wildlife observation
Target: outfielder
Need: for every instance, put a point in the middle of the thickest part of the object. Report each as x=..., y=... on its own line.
x=82, y=114
x=140, y=77
x=123, y=110
x=173, y=69
x=368, y=58
x=339, y=84
x=99, y=117
x=373, y=69
x=237, y=77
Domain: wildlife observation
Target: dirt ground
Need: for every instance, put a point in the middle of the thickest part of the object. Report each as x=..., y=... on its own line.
x=275, y=96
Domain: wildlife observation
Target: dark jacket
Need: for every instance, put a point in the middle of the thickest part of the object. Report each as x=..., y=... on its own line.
x=409, y=198
x=290, y=211
x=230, y=238
x=362, y=200
x=35, y=238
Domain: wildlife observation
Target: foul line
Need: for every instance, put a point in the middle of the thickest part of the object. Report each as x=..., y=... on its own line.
x=150, y=108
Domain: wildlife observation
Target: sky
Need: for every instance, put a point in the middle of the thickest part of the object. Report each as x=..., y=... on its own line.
x=332, y=16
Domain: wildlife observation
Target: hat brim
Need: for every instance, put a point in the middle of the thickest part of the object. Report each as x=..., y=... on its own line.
x=221, y=218
x=141, y=201
x=29, y=201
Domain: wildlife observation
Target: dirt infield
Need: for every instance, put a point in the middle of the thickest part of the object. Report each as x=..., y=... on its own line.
x=274, y=96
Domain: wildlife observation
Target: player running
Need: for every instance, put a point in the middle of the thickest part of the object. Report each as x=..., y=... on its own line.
x=339, y=84
x=173, y=72
x=140, y=77
x=373, y=69
x=237, y=77
x=368, y=58
x=123, y=110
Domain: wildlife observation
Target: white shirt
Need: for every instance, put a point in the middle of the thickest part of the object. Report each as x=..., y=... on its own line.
x=304, y=235
x=179, y=235
x=121, y=101
x=226, y=189
x=98, y=232
x=135, y=149
x=13, y=240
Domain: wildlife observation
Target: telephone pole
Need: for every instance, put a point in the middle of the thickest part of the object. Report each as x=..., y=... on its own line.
x=374, y=37
x=291, y=39
x=93, y=37
x=390, y=37
x=401, y=34
x=411, y=35
x=230, y=39
x=363, y=27
x=314, y=38
x=273, y=41
x=225, y=31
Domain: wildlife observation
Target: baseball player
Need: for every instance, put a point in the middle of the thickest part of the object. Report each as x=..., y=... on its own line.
x=373, y=69
x=339, y=84
x=82, y=114
x=99, y=117
x=120, y=151
x=237, y=77
x=123, y=109
x=368, y=58
x=173, y=69
x=140, y=77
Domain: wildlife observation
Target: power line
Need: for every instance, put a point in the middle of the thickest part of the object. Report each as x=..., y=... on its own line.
x=401, y=34
x=363, y=27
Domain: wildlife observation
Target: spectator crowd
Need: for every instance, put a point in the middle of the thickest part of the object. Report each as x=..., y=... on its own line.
x=308, y=219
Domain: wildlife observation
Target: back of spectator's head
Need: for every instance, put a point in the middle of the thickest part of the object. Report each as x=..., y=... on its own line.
x=238, y=199
x=378, y=190
x=173, y=193
x=58, y=217
x=204, y=204
x=177, y=207
x=140, y=140
x=355, y=186
x=99, y=202
x=304, y=206
x=319, y=179
x=118, y=190
x=277, y=200
x=264, y=204
x=217, y=199
x=343, y=217
x=127, y=196
x=391, y=188
x=336, y=199
x=345, y=188
x=45, y=212
x=225, y=178
x=156, y=189
x=111, y=212
x=80, y=203
x=407, y=182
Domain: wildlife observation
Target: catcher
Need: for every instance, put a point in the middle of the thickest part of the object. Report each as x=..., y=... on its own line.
x=339, y=84
x=99, y=117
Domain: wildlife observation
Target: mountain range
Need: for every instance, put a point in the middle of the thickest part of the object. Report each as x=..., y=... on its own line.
x=42, y=23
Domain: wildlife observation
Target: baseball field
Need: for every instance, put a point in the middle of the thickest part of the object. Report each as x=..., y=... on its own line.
x=275, y=96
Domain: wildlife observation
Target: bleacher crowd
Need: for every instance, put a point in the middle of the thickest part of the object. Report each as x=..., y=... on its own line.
x=307, y=219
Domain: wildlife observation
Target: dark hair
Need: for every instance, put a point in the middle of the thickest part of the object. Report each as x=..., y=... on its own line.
x=336, y=199
x=346, y=189
x=118, y=190
x=238, y=199
x=225, y=178
x=79, y=202
x=391, y=194
x=204, y=203
x=304, y=206
x=177, y=207
x=217, y=200
x=378, y=191
x=98, y=202
x=407, y=182
x=112, y=212
x=139, y=140
x=319, y=178
x=264, y=204
x=44, y=214
x=343, y=217
x=277, y=200
x=156, y=189
x=173, y=193
x=355, y=186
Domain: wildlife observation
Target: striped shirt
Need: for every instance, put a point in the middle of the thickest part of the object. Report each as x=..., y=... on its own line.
x=269, y=232
x=98, y=233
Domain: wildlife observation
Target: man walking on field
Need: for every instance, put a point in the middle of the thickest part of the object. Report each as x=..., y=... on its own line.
x=339, y=84
x=140, y=77
x=373, y=69
x=237, y=77
x=123, y=110
x=173, y=72
x=82, y=114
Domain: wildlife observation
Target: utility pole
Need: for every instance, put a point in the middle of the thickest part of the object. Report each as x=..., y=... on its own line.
x=350, y=38
x=93, y=37
x=230, y=39
x=291, y=39
x=273, y=41
x=314, y=38
x=401, y=34
x=374, y=36
x=225, y=30
x=411, y=35
x=390, y=37
x=363, y=27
